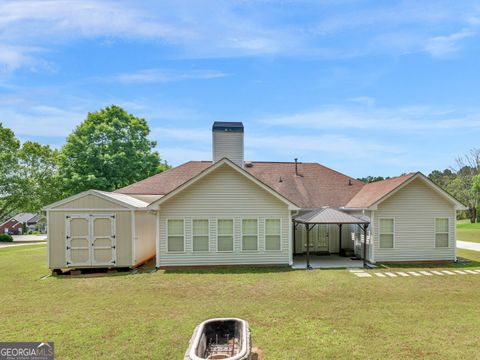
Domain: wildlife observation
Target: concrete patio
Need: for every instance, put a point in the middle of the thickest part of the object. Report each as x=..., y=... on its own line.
x=325, y=262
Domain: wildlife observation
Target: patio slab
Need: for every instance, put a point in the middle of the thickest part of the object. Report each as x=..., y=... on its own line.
x=326, y=262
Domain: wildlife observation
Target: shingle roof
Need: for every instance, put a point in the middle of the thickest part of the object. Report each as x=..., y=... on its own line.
x=124, y=198
x=315, y=185
x=329, y=216
x=375, y=191
x=24, y=217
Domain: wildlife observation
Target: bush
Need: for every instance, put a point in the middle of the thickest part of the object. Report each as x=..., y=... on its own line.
x=6, y=238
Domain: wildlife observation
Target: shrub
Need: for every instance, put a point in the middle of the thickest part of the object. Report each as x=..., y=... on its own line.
x=6, y=238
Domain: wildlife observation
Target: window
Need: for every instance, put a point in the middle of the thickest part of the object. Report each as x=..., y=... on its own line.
x=225, y=235
x=272, y=234
x=441, y=232
x=387, y=227
x=200, y=236
x=175, y=235
x=249, y=234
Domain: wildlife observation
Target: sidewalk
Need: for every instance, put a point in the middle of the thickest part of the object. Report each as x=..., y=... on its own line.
x=467, y=245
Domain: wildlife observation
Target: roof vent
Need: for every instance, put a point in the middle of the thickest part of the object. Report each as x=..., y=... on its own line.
x=248, y=164
x=350, y=182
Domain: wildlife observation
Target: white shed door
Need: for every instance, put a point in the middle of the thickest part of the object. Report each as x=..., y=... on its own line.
x=90, y=240
x=103, y=239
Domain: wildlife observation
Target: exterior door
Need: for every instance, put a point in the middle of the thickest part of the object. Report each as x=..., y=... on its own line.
x=103, y=239
x=90, y=240
x=320, y=237
x=78, y=240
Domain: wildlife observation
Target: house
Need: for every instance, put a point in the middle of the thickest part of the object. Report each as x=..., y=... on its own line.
x=228, y=211
x=13, y=226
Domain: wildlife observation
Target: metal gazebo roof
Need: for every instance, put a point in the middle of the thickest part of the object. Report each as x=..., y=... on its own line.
x=328, y=216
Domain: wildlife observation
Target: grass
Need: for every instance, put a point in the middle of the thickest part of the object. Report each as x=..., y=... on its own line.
x=467, y=231
x=321, y=314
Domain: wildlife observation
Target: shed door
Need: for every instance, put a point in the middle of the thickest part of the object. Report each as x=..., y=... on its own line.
x=103, y=239
x=90, y=240
x=78, y=240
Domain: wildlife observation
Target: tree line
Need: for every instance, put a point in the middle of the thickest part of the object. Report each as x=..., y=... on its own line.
x=462, y=181
x=110, y=149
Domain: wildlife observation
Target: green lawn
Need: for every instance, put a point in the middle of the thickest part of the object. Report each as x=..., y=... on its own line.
x=321, y=314
x=467, y=231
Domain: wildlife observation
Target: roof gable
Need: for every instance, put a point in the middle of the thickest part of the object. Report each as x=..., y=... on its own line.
x=121, y=200
x=375, y=193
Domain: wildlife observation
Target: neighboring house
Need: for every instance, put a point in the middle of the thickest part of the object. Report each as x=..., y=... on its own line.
x=13, y=226
x=228, y=211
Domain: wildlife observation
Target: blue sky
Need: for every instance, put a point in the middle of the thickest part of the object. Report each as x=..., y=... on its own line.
x=365, y=87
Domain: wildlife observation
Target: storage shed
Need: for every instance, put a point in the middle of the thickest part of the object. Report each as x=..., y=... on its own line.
x=100, y=229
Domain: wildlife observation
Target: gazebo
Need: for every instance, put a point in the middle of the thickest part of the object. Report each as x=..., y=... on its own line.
x=330, y=216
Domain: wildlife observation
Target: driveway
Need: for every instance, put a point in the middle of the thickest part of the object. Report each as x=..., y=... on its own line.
x=468, y=245
x=29, y=238
x=23, y=240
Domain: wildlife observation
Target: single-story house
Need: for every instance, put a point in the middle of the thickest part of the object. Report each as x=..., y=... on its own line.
x=14, y=225
x=228, y=211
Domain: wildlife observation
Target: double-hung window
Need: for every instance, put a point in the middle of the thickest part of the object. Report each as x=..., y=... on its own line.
x=387, y=233
x=175, y=235
x=272, y=234
x=249, y=234
x=200, y=235
x=441, y=232
x=225, y=235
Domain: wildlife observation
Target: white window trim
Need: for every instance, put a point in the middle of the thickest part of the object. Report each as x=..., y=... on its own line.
x=258, y=235
x=380, y=232
x=184, y=236
x=435, y=232
x=265, y=234
x=233, y=235
x=209, y=235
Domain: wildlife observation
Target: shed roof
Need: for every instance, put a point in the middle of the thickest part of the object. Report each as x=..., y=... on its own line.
x=126, y=199
x=329, y=216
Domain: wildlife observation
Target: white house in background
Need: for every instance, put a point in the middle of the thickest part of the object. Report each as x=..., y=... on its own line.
x=228, y=211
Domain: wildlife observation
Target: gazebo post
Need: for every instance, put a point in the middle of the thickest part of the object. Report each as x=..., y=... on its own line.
x=340, y=239
x=307, y=226
x=294, y=237
x=365, y=245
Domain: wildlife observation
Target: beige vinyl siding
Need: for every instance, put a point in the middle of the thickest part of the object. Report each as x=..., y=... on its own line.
x=229, y=145
x=56, y=236
x=414, y=209
x=223, y=194
x=145, y=235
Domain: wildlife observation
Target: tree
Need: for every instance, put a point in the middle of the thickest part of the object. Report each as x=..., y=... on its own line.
x=371, y=179
x=37, y=176
x=476, y=191
x=28, y=175
x=461, y=186
x=9, y=147
x=107, y=151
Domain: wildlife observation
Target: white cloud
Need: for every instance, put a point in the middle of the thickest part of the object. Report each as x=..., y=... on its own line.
x=406, y=119
x=363, y=100
x=165, y=75
x=179, y=155
x=41, y=121
x=440, y=46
